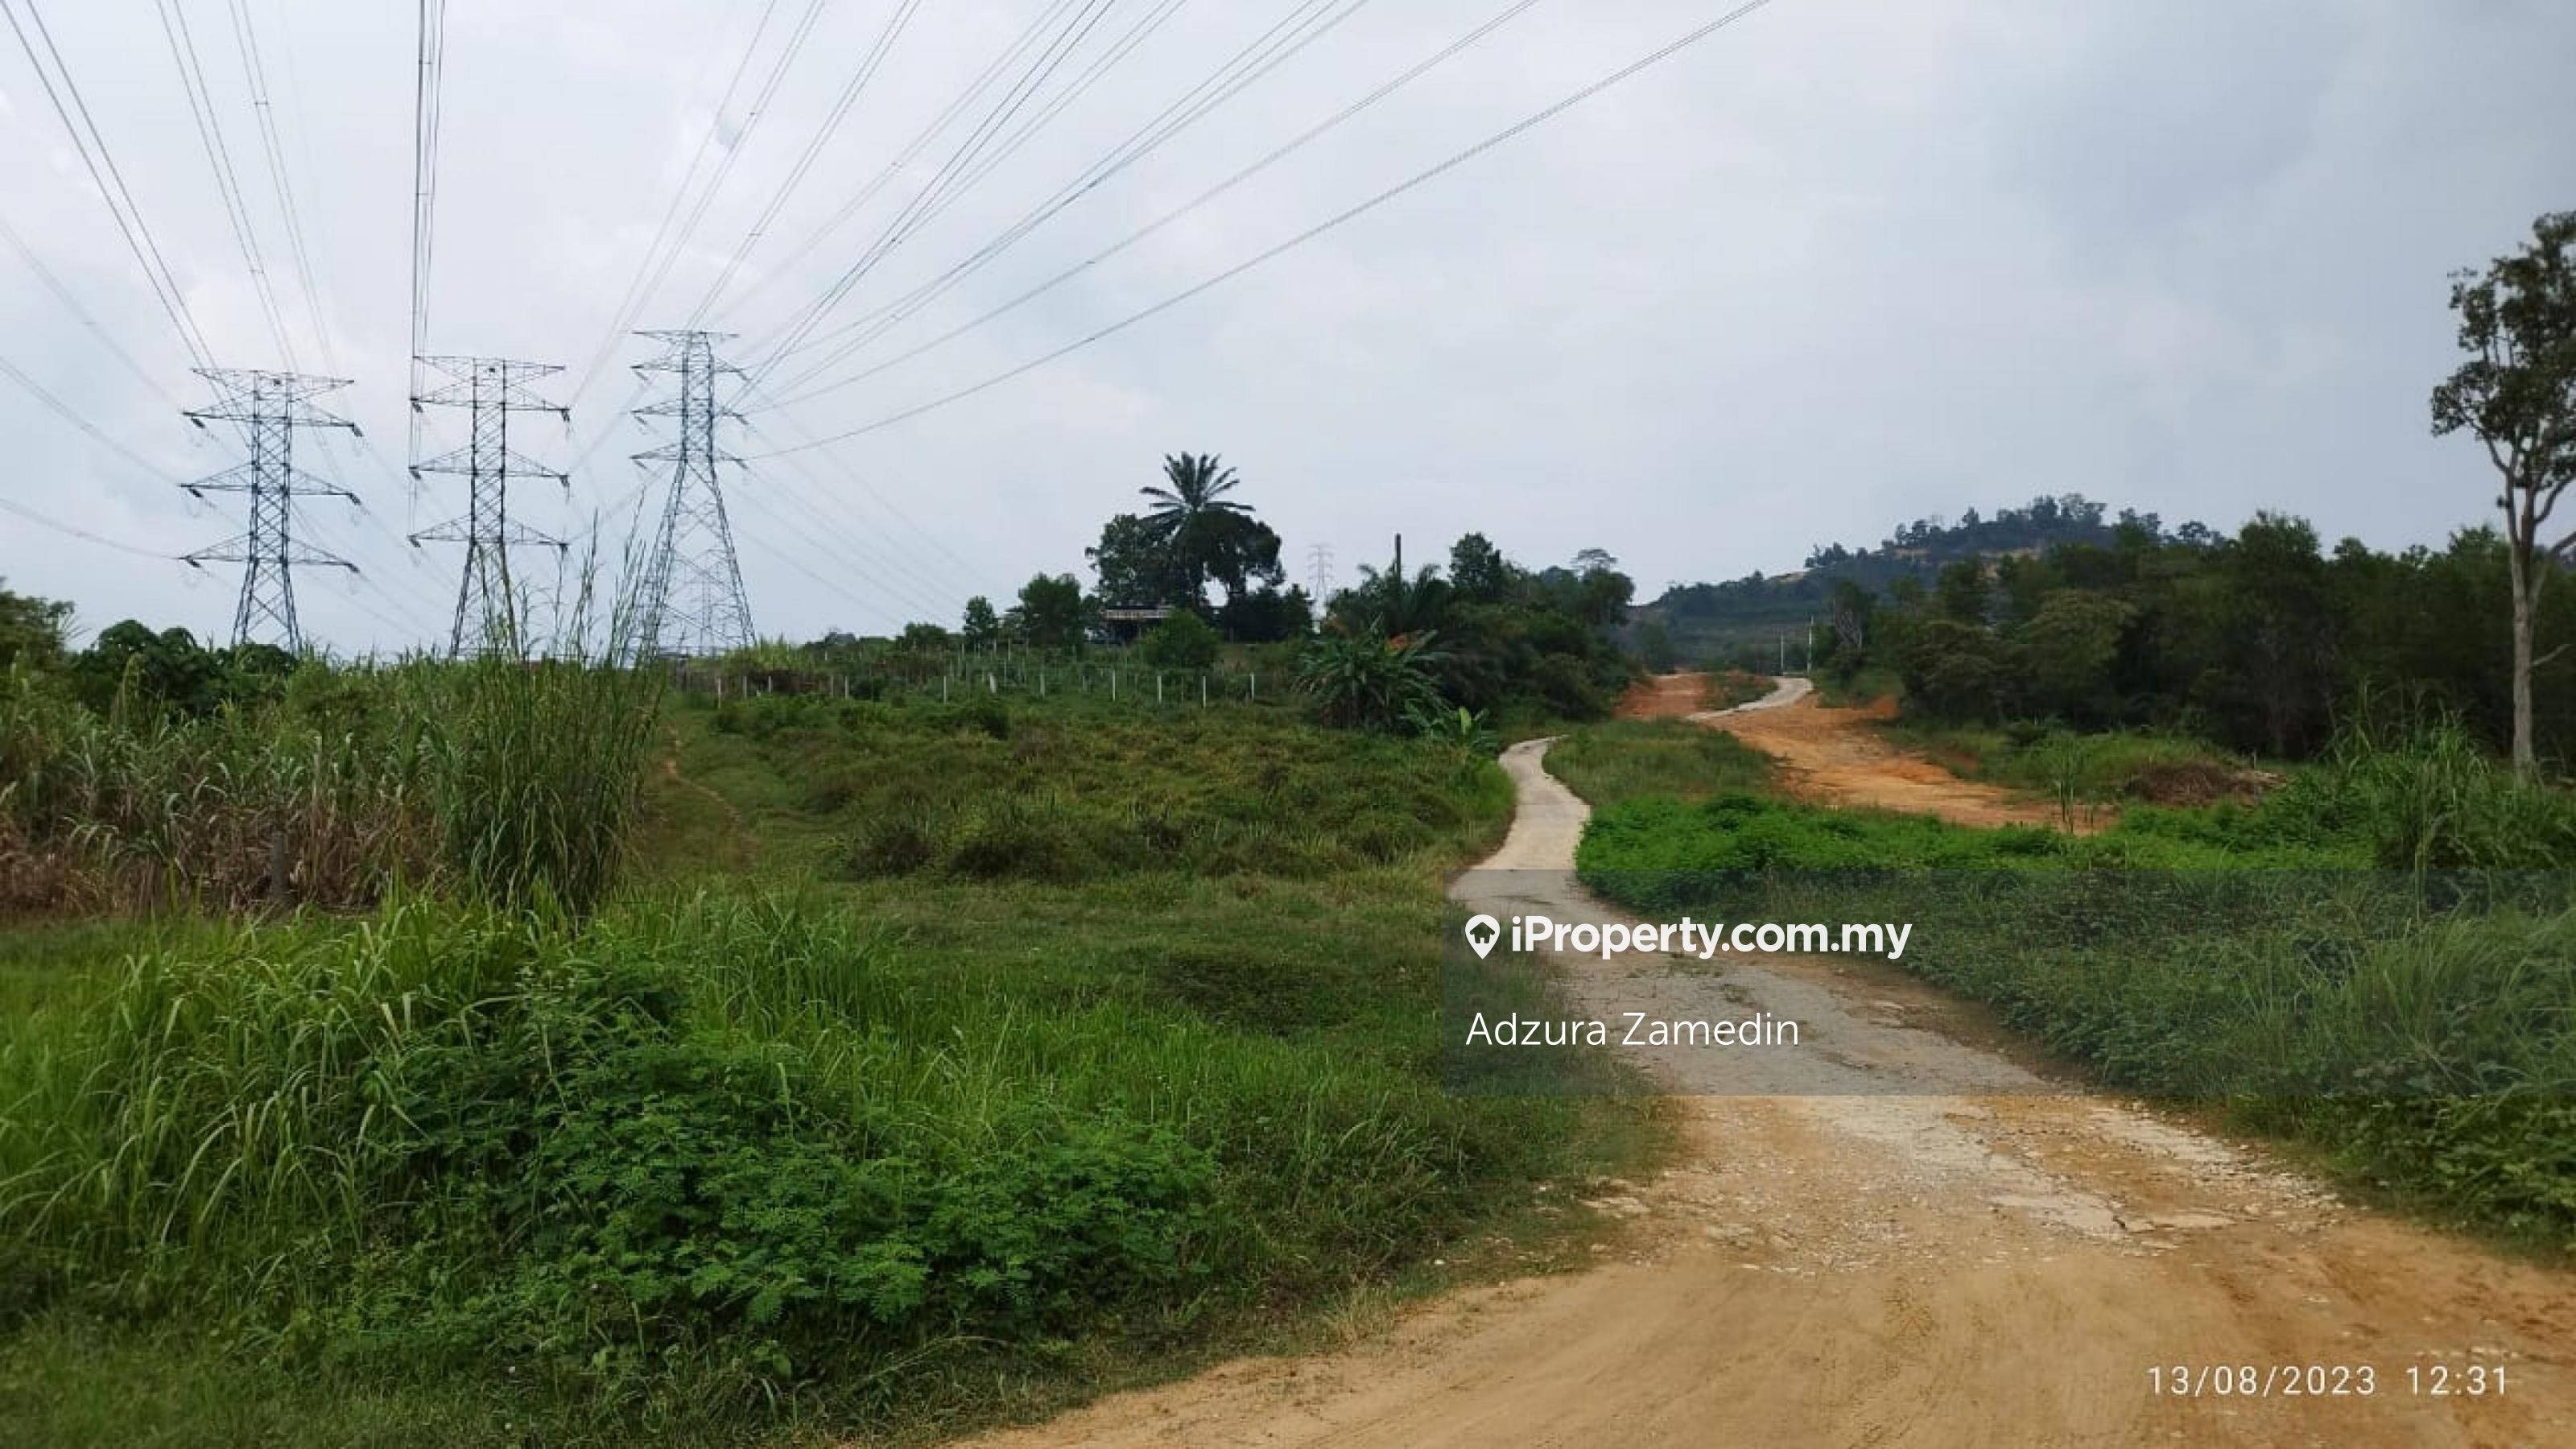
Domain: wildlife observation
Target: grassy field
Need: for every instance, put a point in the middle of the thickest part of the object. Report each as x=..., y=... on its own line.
x=934, y=1065
x=1622, y=760
x=2372, y=961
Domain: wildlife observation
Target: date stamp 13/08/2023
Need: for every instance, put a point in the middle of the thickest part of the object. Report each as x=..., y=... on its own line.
x=2325, y=1381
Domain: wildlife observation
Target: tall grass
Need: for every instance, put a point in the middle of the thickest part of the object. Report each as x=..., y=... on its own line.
x=1623, y=760
x=1071, y=791
x=1138, y=1063
x=2433, y=799
x=2378, y=958
x=734, y=1147
x=505, y=781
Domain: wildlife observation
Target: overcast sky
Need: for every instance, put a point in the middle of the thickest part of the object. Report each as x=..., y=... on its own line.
x=1844, y=263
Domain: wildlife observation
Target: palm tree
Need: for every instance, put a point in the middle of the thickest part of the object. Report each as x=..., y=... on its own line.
x=1183, y=512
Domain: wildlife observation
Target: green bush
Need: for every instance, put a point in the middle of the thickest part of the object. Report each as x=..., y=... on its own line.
x=1182, y=641
x=1368, y=681
x=724, y=1149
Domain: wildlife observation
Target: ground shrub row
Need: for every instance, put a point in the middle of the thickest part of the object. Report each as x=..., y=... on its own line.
x=2379, y=958
x=1070, y=792
x=710, y=1155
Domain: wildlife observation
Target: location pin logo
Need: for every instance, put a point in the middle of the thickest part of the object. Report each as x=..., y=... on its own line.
x=1482, y=933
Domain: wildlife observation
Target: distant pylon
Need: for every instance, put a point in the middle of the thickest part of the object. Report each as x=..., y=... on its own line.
x=490, y=615
x=1319, y=562
x=270, y=406
x=691, y=599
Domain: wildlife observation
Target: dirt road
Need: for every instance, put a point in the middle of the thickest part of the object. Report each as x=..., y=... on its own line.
x=1833, y=757
x=1887, y=1236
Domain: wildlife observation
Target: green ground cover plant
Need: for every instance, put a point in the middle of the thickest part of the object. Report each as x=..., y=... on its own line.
x=1621, y=760
x=2372, y=960
x=1127, y=1057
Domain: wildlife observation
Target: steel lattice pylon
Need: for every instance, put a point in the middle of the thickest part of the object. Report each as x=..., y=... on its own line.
x=269, y=406
x=491, y=616
x=691, y=599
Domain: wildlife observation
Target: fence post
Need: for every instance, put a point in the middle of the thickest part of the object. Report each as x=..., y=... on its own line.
x=1252, y=686
x=1203, y=691
x=1158, y=686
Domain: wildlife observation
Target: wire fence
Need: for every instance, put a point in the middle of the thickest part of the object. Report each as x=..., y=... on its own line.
x=966, y=676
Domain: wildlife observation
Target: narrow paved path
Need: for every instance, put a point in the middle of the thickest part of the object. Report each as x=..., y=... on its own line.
x=1891, y=1236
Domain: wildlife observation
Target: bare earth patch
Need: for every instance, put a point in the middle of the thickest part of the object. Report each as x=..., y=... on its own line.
x=1891, y=1236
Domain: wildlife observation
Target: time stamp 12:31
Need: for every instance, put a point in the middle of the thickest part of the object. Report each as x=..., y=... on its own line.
x=2324, y=1381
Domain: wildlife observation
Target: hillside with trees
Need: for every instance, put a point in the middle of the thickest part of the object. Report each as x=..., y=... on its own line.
x=2264, y=641
x=1741, y=621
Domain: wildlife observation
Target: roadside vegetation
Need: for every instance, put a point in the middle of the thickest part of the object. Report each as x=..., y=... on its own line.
x=2370, y=959
x=1617, y=761
x=498, y=1052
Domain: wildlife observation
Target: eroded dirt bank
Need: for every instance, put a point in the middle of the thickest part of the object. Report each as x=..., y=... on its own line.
x=1832, y=757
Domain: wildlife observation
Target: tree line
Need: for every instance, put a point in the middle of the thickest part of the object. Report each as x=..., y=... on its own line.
x=2262, y=641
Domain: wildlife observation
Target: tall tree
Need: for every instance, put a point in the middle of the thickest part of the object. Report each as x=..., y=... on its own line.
x=981, y=628
x=31, y=629
x=2517, y=393
x=1478, y=570
x=1190, y=513
x=1134, y=565
x=1052, y=614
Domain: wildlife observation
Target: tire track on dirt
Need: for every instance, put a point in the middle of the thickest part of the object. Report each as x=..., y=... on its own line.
x=1897, y=1237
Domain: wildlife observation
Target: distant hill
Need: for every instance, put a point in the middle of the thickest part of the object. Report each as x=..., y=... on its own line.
x=1725, y=622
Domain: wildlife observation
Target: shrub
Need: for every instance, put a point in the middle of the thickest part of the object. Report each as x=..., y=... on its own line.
x=1182, y=641
x=1369, y=681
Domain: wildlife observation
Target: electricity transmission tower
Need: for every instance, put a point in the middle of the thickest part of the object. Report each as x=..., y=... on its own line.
x=489, y=613
x=269, y=406
x=691, y=601
x=1319, y=565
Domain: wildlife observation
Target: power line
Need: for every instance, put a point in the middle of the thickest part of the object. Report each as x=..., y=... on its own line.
x=74, y=531
x=246, y=41
x=947, y=195
x=63, y=93
x=879, y=498
x=54, y=284
x=913, y=572
x=650, y=274
x=878, y=608
x=306, y=525
x=912, y=304
x=427, y=85
x=210, y=135
x=1047, y=64
x=11, y=371
x=938, y=126
x=1417, y=179
x=1231, y=79
x=900, y=575
x=822, y=137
